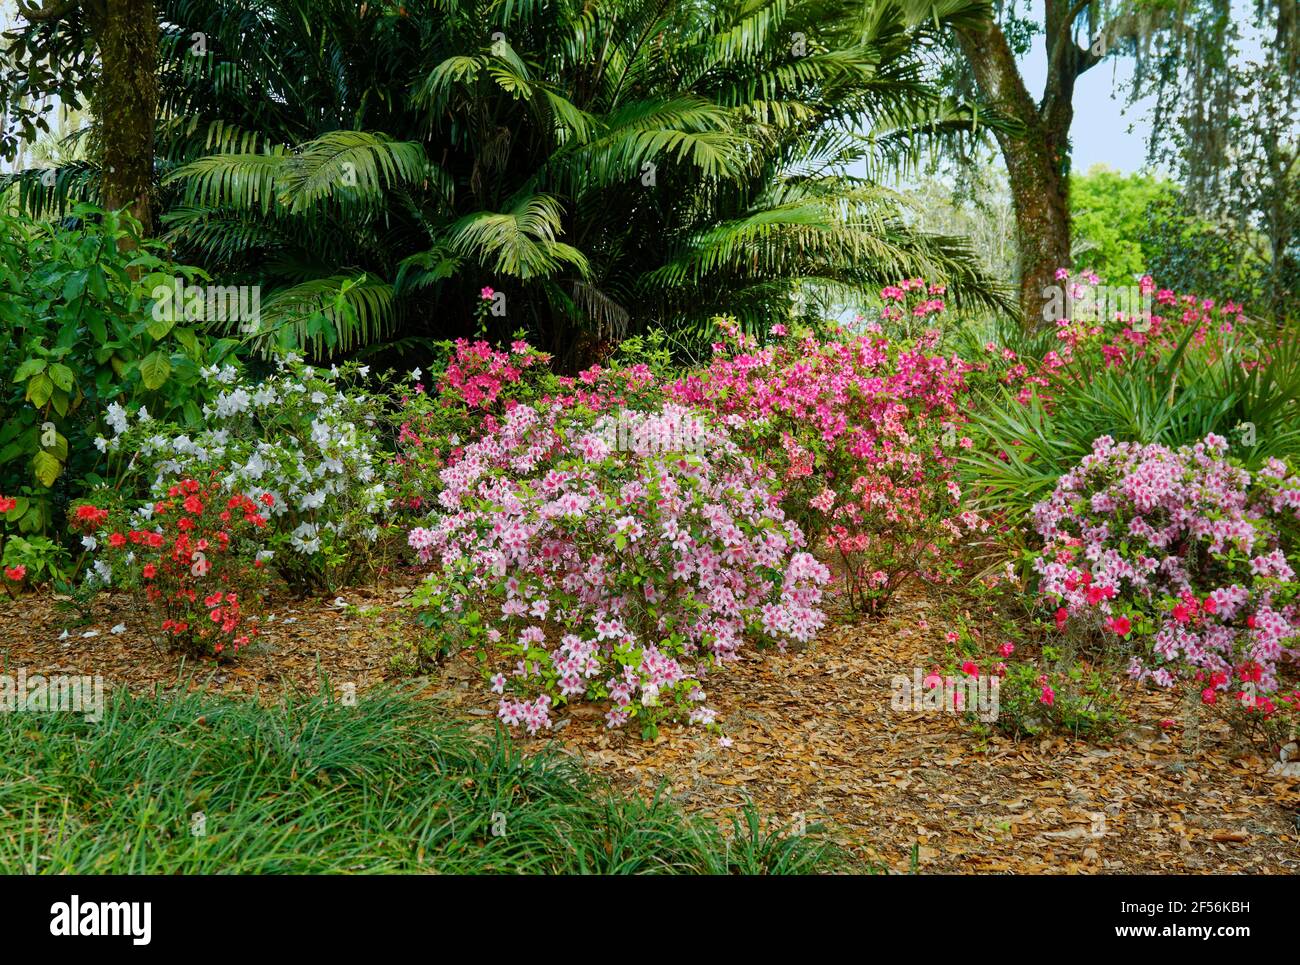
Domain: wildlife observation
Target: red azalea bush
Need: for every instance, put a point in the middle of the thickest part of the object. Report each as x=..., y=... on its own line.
x=861, y=431
x=194, y=558
x=13, y=575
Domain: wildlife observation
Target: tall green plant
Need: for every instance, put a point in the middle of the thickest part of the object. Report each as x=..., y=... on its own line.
x=77, y=311
x=604, y=166
x=1224, y=385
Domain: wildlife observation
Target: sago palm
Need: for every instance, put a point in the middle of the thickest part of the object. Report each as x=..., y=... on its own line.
x=606, y=165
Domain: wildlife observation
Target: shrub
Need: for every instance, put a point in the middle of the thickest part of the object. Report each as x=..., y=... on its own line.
x=304, y=439
x=1190, y=368
x=76, y=305
x=192, y=558
x=861, y=431
x=623, y=563
x=480, y=384
x=1184, y=557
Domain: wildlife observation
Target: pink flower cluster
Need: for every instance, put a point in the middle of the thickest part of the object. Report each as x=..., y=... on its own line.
x=862, y=433
x=621, y=569
x=1183, y=552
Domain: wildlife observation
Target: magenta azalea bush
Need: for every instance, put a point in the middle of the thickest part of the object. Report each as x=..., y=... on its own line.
x=616, y=557
x=1187, y=556
x=862, y=432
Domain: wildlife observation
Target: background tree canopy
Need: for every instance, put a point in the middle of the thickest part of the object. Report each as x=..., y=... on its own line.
x=1110, y=216
x=606, y=166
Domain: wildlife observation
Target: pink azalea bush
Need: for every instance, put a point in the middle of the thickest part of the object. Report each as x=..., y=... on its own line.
x=863, y=434
x=1155, y=327
x=1187, y=557
x=478, y=385
x=616, y=557
x=1160, y=321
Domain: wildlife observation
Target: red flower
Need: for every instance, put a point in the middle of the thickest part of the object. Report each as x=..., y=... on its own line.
x=15, y=573
x=90, y=517
x=7, y=503
x=1120, y=625
x=970, y=669
x=150, y=571
x=1062, y=614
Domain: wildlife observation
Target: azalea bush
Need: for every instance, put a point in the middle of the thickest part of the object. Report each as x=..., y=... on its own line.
x=475, y=387
x=862, y=432
x=1045, y=683
x=612, y=558
x=191, y=557
x=1172, y=371
x=479, y=384
x=303, y=438
x=1184, y=558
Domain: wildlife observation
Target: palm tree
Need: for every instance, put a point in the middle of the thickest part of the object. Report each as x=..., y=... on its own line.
x=606, y=165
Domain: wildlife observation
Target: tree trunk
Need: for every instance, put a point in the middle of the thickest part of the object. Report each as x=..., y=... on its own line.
x=1040, y=193
x=126, y=102
x=1037, y=160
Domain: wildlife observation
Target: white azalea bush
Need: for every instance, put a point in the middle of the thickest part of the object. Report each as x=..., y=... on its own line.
x=587, y=559
x=303, y=442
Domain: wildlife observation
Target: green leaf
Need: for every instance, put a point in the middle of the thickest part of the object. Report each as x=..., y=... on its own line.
x=39, y=390
x=60, y=448
x=62, y=376
x=28, y=369
x=154, y=369
x=46, y=468
x=159, y=329
x=189, y=340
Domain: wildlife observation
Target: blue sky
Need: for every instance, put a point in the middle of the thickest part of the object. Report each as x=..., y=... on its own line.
x=1103, y=131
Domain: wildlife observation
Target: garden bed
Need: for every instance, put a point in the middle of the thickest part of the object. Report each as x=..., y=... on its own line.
x=813, y=740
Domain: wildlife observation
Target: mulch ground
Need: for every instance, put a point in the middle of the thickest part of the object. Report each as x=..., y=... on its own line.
x=814, y=741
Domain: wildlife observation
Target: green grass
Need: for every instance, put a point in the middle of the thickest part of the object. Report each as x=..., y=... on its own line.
x=312, y=786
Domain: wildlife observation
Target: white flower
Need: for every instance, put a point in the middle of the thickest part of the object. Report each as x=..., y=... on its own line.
x=233, y=402
x=101, y=443
x=415, y=374
x=115, y=416
x=89, y=542
x=363, y=371
x=312, y=501
x=304, y=539
x=120, y=628
x=255, y=468
x=143, y=415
